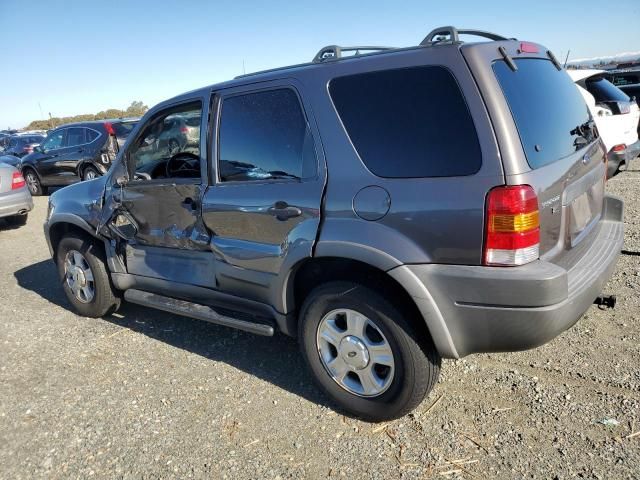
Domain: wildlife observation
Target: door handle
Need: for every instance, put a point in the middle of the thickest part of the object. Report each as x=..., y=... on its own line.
x=282, y=211
x=189, y=203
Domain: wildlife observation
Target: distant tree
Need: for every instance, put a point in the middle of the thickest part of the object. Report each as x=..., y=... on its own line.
x=111, y=113
x=136, y=109
x=39, y=125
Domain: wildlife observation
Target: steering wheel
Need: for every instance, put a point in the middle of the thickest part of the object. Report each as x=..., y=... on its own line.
x=183, y=165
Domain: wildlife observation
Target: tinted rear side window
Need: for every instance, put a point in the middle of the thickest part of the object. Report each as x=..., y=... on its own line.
x=547, y=108
x=265, y=136
x=91, y=135
x=604, y=91
x=408, y=123
x=75, y=136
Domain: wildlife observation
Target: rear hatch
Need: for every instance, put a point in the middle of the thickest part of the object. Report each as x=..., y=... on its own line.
x=546, y=137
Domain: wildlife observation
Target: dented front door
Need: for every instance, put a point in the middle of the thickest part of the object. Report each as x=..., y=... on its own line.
x=153, y=199
x=166, y=215
x=170, y=241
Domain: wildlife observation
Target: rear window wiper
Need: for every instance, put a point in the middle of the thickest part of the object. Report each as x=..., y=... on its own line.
x=585, y=133
x=508, y=60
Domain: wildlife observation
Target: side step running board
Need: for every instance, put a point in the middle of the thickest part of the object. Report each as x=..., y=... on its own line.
x=195, y=310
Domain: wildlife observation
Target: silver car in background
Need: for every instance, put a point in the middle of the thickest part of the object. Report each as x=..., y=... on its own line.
x=15, y=199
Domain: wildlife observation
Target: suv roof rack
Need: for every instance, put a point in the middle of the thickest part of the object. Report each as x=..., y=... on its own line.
x=451, y=34
x=333, y=52
x=437, y=36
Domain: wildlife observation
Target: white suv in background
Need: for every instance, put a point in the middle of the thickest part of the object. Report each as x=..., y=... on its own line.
x=616, y=116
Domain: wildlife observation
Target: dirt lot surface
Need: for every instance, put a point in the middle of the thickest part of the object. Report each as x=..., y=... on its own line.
x=144, y=394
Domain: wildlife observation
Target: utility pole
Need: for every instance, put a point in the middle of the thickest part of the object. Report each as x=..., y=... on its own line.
x=566, y=58
x=50, y=121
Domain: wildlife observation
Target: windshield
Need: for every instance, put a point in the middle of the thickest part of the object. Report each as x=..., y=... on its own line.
x=552, y=118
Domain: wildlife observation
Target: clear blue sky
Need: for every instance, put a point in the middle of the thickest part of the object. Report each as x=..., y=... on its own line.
x=85, y=56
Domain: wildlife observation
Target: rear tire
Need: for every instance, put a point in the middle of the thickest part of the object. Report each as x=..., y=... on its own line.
x=85, y=279
x=17, y=220
x=414, y=363
x=33, y=183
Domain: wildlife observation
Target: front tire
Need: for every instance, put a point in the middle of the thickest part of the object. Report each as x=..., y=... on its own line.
x=363, y=353
x=89, y=173
x=85, y=280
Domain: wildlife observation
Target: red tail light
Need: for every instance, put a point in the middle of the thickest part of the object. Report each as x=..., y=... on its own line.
x=512, y=226
x=619, y=148
x=184, y=129
x=28, y=149
x=17, y=181
x=109, y=128
x=624, y=107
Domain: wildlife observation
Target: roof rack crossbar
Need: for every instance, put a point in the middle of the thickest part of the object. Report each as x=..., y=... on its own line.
x=438, y=35
x=333, y=52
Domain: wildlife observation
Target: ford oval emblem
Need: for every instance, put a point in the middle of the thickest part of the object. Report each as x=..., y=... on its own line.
x=586, y=159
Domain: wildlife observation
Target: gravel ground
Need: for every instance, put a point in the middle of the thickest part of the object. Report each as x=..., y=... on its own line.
x=143, y=394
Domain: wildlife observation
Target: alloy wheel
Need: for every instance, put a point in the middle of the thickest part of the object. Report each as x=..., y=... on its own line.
x=355, y=352
x=79, y=276
x=32, y=182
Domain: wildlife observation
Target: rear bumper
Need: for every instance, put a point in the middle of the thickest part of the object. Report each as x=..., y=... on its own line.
x=472, y=309
x=615, y=159
x=632, y=152
x=15, y=203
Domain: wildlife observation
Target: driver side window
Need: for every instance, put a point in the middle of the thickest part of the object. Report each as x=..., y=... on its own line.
x=169, y=144
x=54, y=141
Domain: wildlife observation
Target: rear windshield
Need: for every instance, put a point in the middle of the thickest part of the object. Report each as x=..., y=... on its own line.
x=547, y=108
x=605, y=91
x=122, y=130
x=408, y=123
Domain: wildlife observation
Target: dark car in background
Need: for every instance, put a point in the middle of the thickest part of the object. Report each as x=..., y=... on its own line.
x=629, y=82
x=626, y=80
x=122, y=128
x=4, y=140
x=71, y=153
x=21, y=145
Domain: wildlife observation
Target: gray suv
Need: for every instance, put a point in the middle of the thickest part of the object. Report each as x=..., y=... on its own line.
x=388, y=208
